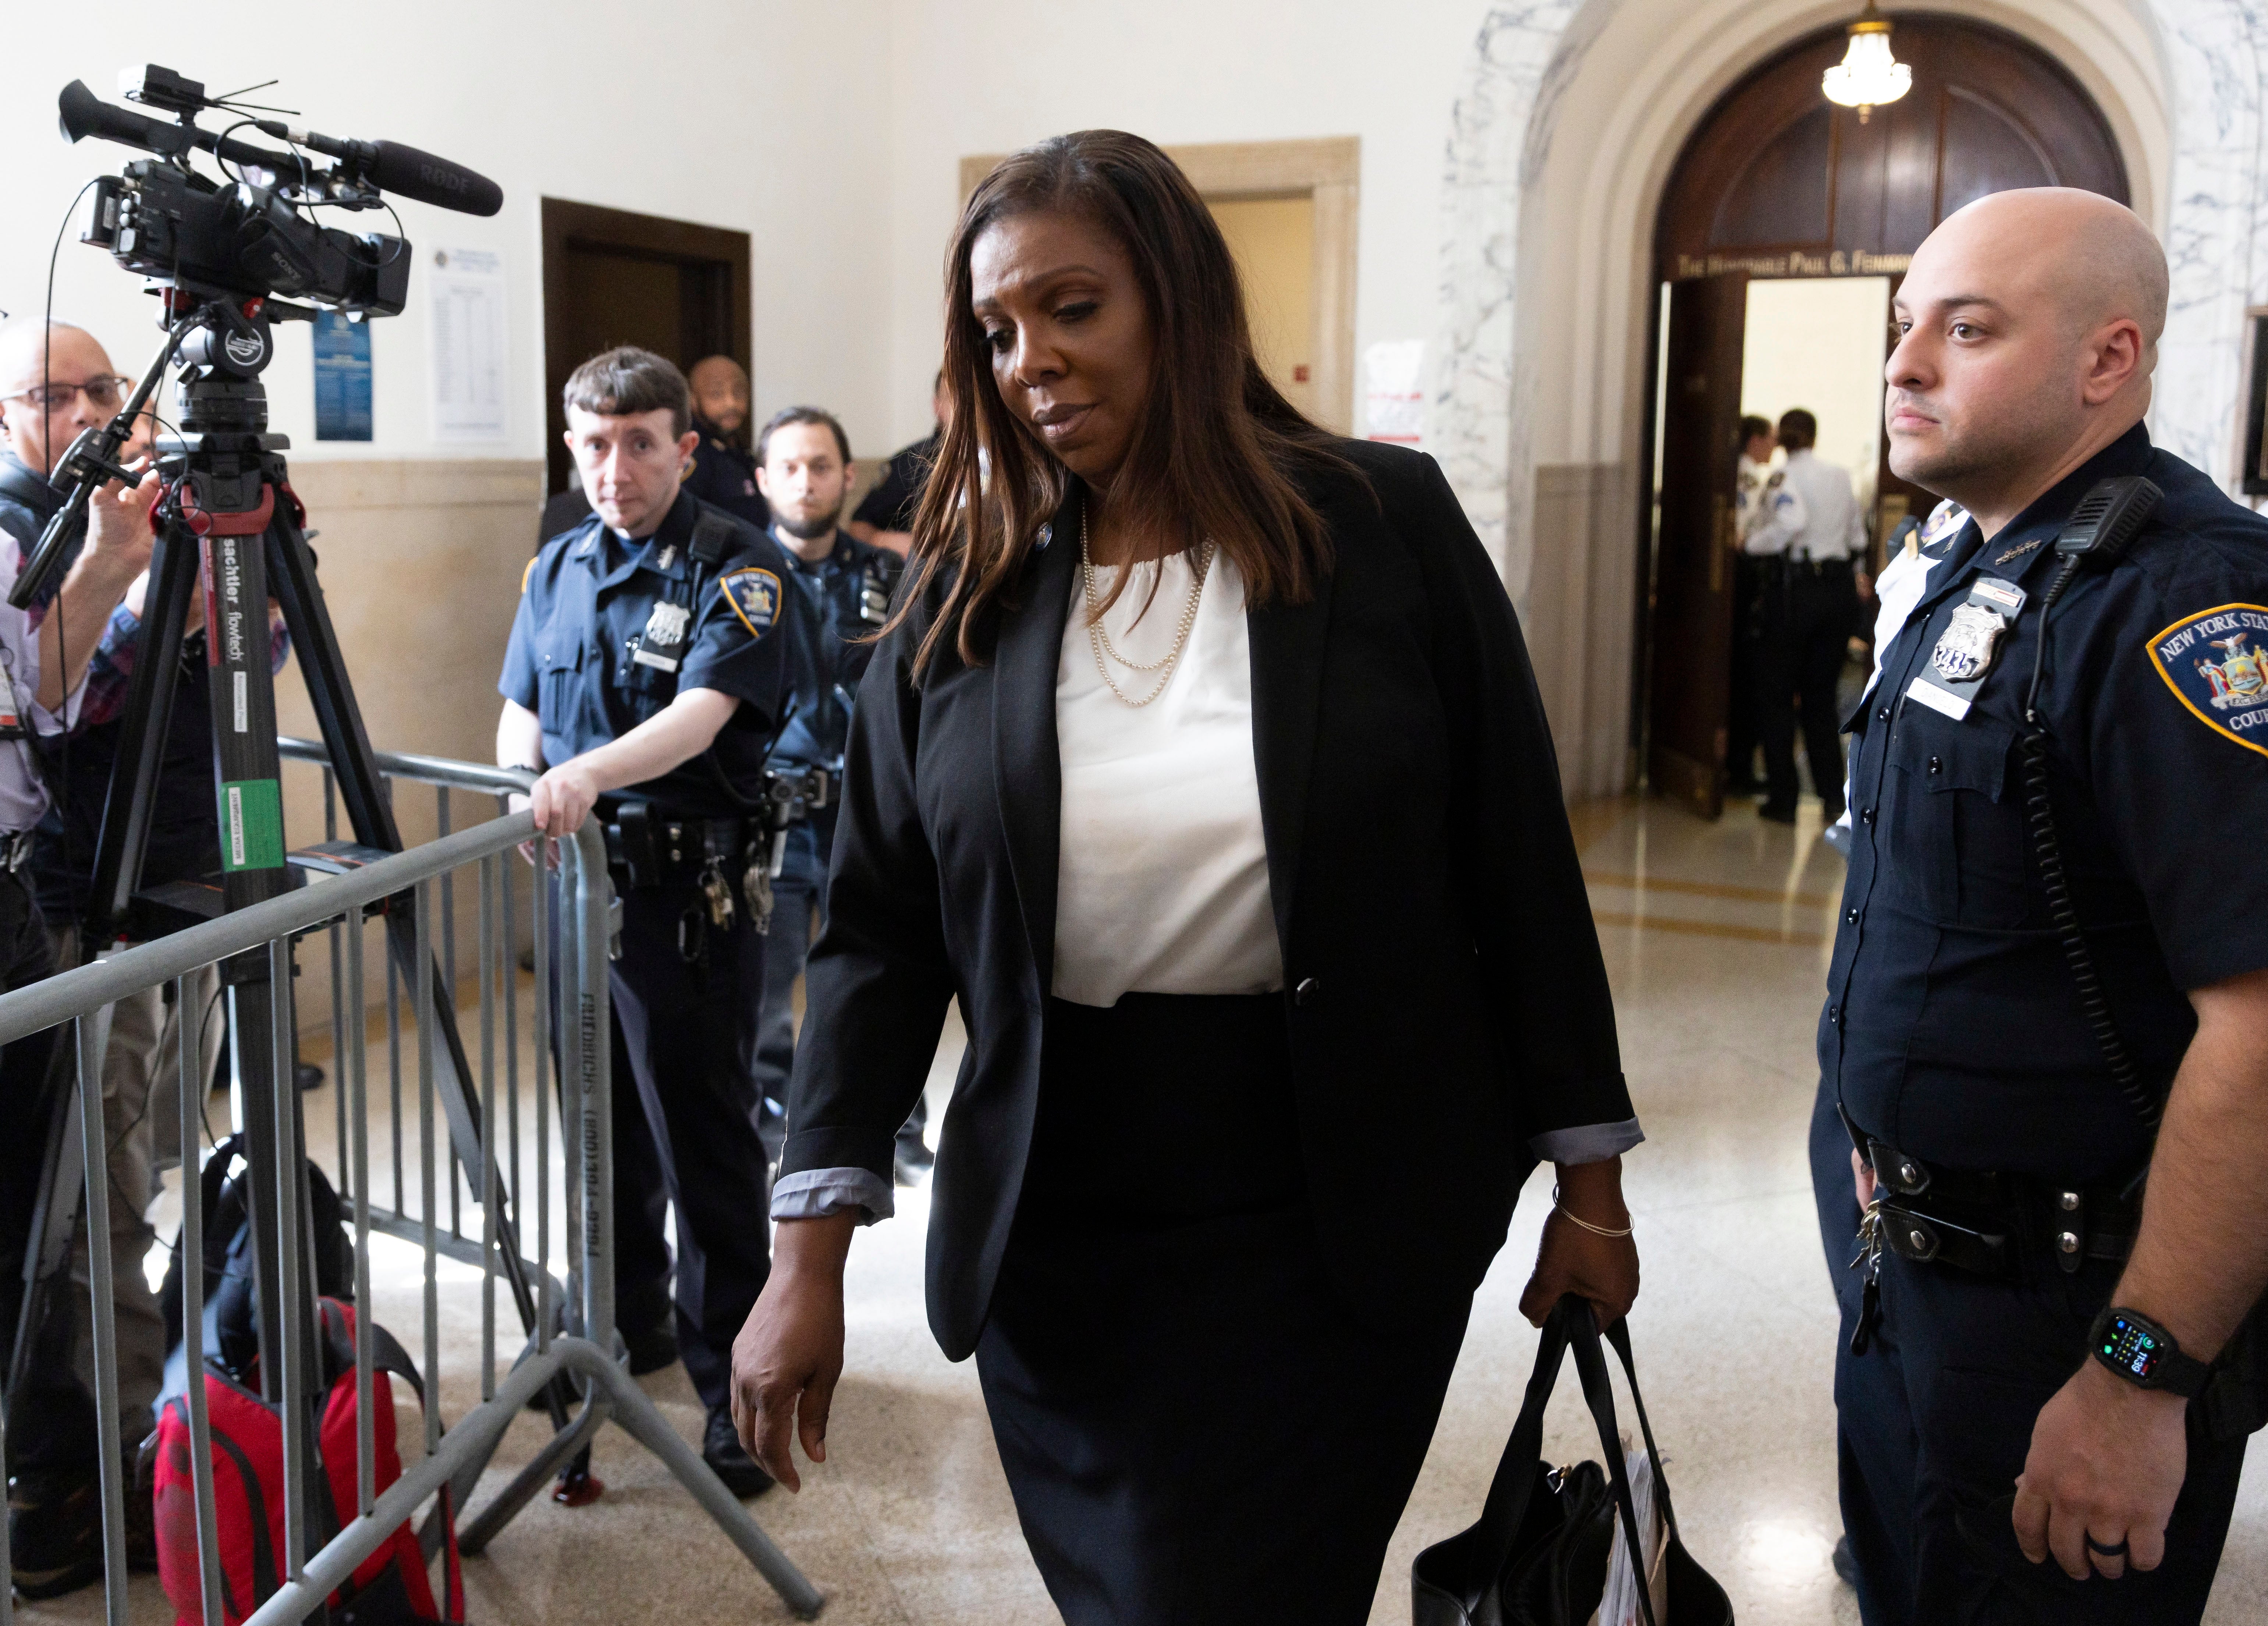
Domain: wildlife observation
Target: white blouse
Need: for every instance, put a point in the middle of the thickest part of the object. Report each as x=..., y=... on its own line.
x=1162, y=874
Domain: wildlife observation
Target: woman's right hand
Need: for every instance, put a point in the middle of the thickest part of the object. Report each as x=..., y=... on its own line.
x=789, y=1356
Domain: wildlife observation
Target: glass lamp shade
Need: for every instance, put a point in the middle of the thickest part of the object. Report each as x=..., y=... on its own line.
x=1868, y=75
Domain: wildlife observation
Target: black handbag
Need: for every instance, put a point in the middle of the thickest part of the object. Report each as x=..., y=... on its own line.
x=1538, y=1553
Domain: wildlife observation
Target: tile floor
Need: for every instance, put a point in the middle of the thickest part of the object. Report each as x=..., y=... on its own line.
x=1715, y=936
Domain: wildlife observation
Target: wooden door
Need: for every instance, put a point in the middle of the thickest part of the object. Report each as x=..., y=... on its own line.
x=1694, y=558
x=612, y=278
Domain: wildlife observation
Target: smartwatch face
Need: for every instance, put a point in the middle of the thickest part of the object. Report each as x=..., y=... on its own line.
x=2129, y=1346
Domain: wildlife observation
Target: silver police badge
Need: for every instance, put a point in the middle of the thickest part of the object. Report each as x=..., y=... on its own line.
x=1965, y=651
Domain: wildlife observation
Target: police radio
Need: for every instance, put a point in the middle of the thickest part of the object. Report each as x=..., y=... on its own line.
x=2096, y=538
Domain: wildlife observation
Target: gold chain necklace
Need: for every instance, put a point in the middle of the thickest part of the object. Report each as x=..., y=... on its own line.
x=1099, y=640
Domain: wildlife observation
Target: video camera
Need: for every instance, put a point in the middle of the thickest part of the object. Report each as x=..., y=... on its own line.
x=221, y=252
x=252, y=235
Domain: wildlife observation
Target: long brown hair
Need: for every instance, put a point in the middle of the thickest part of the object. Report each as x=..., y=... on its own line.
x=1217, y=442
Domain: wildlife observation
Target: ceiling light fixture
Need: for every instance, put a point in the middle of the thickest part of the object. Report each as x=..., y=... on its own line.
x=1868, y=75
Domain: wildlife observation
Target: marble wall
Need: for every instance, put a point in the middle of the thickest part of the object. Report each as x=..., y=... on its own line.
x=2216, y=54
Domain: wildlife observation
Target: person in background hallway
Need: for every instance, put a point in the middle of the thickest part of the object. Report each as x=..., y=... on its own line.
x=643, y=675
x=55, y=382
x=722, y=471
x=2043, y=1318
x=1755, y=482
x=1112, y=782
x=839, y=594
x=1811, y=540
x=886, y=516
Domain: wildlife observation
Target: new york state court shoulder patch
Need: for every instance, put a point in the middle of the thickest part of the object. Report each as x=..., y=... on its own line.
x=754, y=595
x=2216, y=662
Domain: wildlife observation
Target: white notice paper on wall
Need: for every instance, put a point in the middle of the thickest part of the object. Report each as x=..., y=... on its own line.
x=467, y=289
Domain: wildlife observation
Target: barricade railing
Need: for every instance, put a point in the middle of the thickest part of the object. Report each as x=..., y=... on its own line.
x=569, y=1346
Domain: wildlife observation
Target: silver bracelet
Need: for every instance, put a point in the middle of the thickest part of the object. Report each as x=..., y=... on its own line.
x=1597, y=1230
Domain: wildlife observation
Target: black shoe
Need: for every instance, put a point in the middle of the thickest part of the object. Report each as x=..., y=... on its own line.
x=1846, y=1568
x=307, y=1075
x=653, y=1351
x=1776, y=813
x=720, y=1449
x=55, y=1532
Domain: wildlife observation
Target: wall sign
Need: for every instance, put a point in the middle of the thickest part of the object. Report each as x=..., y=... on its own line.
x=1858, y=263
x=465, y=286
x=342, y=378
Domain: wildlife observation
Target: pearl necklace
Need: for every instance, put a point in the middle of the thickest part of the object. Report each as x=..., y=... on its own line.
x=1100, y=641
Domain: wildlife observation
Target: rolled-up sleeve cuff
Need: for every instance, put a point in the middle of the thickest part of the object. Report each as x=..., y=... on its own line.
x=814, y=1194
x=1584, y=1143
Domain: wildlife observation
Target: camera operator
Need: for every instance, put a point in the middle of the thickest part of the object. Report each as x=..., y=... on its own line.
x=839, y=594
x=55, y=382
x=644, y=675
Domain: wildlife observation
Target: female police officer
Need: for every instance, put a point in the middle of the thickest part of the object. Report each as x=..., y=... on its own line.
x=644, y=678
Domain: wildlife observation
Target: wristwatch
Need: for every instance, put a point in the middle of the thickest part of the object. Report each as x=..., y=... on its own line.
x=2144, y=1354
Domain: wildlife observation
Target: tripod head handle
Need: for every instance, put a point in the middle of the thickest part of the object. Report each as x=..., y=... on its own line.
x=90, y=464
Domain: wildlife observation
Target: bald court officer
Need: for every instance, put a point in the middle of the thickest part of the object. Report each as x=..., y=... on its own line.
x=2048, y=1036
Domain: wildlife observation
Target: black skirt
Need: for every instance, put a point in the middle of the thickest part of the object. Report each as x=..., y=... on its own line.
x=1195, y=1424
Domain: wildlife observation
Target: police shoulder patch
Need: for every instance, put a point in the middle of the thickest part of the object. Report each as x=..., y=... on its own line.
x=755, y=596
x=2216, y=662
x=525, y=576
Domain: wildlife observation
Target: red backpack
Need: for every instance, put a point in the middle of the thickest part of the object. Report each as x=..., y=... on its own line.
x=389, y=1587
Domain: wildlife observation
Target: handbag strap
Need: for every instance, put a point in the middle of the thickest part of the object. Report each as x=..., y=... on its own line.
x=1599, y=1394
x=1618, y=1335
x=1508, y=1493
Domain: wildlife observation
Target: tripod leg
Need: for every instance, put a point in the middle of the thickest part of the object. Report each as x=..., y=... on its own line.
x=145, y=724
x=55, y=1221
x=246, y=769
x=362, y=789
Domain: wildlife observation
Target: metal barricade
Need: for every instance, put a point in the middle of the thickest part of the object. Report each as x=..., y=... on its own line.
x=568, y=1317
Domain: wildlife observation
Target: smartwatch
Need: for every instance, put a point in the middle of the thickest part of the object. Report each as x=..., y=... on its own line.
x=2144, y=1354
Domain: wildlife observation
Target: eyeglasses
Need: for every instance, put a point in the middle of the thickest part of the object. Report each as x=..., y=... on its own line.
x=102, y=394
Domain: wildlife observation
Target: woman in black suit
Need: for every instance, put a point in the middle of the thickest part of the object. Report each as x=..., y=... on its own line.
x=1202, y=763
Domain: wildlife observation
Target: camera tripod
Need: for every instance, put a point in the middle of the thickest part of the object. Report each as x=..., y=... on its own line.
x=230, y=525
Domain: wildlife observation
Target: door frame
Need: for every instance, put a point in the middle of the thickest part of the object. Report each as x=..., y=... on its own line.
x=1326, y=170
x=567, y=225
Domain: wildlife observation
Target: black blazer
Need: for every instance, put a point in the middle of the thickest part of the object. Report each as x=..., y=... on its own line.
x=1438, y=947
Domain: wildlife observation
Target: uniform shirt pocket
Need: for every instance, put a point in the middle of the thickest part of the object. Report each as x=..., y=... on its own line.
x=560, y=699
x=1961, y=817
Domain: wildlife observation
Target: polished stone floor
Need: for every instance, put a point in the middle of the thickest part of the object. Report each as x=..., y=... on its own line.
x=1716, y=936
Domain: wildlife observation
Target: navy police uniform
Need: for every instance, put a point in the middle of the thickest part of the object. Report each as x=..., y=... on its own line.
x=724, y=475
x=609, y=631
x=1953, y=1033
x=890, y=506
x=834, y=605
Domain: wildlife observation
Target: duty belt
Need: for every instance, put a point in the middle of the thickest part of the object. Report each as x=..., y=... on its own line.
x=1978, y=1222
x=651, y=846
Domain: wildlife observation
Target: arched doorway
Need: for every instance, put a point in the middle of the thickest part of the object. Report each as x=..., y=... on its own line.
x=1777, y=185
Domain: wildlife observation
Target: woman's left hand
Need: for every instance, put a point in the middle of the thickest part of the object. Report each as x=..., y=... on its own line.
x=1572, y=1259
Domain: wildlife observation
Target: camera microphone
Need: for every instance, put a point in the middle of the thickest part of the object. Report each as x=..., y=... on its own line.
x=393, y=167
